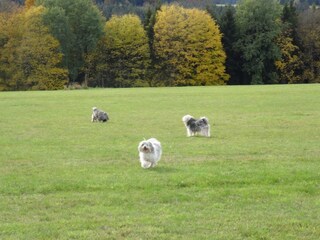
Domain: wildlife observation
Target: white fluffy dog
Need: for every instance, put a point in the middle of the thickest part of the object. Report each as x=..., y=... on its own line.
x=194, y=126
x=149, y=152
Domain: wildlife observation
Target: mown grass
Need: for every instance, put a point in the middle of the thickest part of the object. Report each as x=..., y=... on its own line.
x=257, y=177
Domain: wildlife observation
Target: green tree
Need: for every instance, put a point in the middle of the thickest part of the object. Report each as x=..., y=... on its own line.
x=309, y=33
x=290, y=20
x=123, y=56
x=150, y=20
x=188, y=47
x=229, y=38
x=258, y=22
x=78, y=25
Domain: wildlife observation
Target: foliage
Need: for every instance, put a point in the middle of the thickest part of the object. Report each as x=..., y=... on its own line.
x=290, y=61
x=309, y=33
x=150, y=20
x=290, y=65
x=258, y=22
x=290, y=21
x=229, y=38
x=78, y=25
x=31, y=56
x=10, y=37
x=29, y=3
x=7, y=6
x=187, y=44
x=123, y=57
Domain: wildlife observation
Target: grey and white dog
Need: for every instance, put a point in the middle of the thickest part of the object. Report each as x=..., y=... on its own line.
x=99, y=115
x=149, y=152
x=194, y=126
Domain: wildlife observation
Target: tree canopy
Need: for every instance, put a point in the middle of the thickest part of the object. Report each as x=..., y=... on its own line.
x=123, y=56
x=258, y=23
x=188, y=48
x=31, y=56
x=48, y=44
x=78, y=25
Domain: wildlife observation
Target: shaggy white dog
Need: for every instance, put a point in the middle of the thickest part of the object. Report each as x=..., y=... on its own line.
x=149, y=152
x=194, y=126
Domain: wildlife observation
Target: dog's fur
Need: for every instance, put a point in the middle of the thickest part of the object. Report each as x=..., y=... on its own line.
x=99, y=115
x=149, y=152
x=194, y=126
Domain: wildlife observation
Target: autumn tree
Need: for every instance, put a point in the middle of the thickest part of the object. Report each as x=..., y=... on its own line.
x=290, y=62
x=187, y=44
x=9, y=41
x=8, y=29
x=258, y=22
x=39, y=54
x=123, y=56
x=31, y=57
x=78, y=25
x=290, y=65
x=29, y=3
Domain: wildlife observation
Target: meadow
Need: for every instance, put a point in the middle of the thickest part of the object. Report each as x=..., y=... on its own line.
x=257, y=177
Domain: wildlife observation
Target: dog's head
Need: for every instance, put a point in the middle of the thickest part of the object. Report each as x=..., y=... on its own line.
x=203, y=121
x=145, y=147
x=187, y=118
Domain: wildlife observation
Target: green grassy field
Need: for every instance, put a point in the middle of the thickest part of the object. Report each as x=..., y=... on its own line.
x=257, y=177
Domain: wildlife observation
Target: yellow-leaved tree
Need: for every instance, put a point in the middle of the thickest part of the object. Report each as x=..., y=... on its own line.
x=29, y=3
x=290, y=62
x=122, y=57
x=31, y=56
x=188, y=48
x=40, y=55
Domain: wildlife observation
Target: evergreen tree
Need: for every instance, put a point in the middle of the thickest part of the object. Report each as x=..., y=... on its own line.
x=258, y=22
x=229, y=37
x=149, y=23
x=309, y=33
x=289, y=18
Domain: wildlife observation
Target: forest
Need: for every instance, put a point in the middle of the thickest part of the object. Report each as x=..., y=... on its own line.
x=57, y=44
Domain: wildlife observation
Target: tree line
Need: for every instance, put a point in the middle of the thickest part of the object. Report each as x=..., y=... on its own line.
x=49, y=44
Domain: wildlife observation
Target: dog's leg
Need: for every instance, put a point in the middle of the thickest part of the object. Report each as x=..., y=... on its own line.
x=145, y=164
x=189, y=133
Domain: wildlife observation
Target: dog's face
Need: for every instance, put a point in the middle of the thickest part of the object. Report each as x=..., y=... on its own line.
x=187, y=118
x=145, y=147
